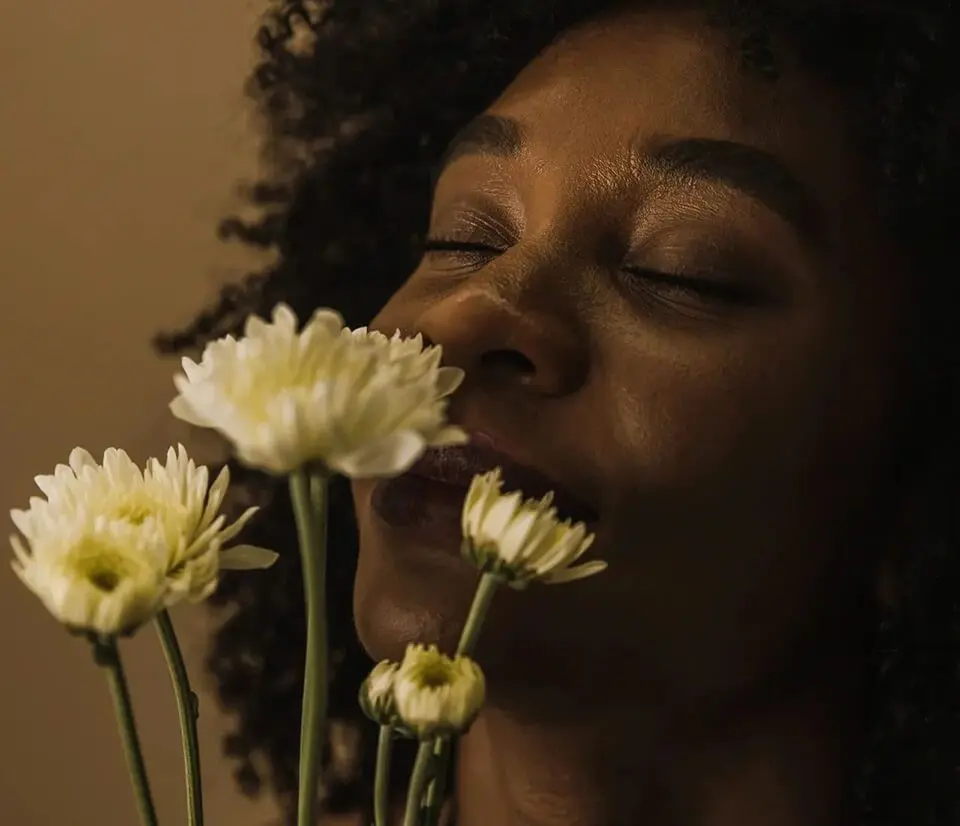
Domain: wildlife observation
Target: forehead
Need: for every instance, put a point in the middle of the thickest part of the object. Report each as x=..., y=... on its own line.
x=628, y=61
x=604, y=87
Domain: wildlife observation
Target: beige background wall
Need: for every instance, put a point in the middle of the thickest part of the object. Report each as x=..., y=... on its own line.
x=122, y=132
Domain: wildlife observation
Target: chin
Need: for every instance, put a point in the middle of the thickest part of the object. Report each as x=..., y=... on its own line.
x=412, y=586
x=407, y=592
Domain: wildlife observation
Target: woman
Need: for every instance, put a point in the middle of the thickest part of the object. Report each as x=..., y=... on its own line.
x=696, y=260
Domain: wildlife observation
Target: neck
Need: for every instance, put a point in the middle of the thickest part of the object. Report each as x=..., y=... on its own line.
x=780, y=762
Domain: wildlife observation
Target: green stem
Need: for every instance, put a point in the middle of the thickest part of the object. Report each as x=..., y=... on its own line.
x=486, y=588
x=189, y=711
x=308, y=493
x=381, y=788
x=482, y=599
x=106, y=655
x=418, y=782
x=437, y=790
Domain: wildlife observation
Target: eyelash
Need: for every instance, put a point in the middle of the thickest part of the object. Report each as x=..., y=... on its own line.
x=709, y=289
x=461, y=247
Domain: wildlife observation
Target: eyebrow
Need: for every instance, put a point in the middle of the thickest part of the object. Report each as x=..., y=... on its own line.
x=484, y=135
x=753, y=172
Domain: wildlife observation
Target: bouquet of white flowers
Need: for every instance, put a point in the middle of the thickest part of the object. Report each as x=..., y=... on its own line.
x=113, y=546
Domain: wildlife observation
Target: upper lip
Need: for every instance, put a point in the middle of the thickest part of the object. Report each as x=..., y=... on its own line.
x=457, y=465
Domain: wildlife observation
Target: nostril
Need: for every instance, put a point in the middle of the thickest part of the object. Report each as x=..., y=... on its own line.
x=511, y=361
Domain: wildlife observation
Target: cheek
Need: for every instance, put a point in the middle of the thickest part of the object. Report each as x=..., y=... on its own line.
x=736, y=519
x=767, y=412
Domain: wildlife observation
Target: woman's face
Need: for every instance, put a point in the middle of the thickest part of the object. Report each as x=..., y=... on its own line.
x=669, y=294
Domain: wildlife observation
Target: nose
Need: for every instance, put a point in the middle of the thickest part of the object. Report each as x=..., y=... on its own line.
x=499, y=342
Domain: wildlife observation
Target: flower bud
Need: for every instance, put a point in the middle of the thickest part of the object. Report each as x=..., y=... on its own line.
x=435, y=694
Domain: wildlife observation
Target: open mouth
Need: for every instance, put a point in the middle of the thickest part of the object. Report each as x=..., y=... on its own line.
x=429, y=497
x=457, y=465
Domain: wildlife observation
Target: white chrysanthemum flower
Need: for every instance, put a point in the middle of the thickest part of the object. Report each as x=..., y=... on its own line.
x=106, y=535
x=102, y=577
x=435, y=694
x=353, y=401
x=376, y=693
x=522, y=539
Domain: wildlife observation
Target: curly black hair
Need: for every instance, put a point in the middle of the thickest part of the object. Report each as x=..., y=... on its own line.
x=359, y=99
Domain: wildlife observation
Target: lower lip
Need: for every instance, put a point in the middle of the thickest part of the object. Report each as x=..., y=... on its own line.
x=426, y=508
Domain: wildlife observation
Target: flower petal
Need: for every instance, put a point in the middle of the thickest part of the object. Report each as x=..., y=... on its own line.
x=594, y=566
x=183, y=410
x=247, y=558
x=327, y=319
x=227, y=533
x=450, y=435
x=389, y=456
x=79, y=459
x=448, y=380
x=498, y=516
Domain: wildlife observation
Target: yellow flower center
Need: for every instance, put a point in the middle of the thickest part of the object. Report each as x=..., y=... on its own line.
x=137, y=506
x=103, y=567
x=105, y=579
x=434, y=672
x=136, y=513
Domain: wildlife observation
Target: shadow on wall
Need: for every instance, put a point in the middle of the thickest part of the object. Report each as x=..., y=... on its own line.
x=124, y=133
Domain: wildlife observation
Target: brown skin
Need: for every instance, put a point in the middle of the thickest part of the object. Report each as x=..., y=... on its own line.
x=738, y=453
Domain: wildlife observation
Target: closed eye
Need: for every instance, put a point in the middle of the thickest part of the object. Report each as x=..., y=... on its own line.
x=460, y=255
x=710, y=289
x=713, y=289
x=451, y=245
